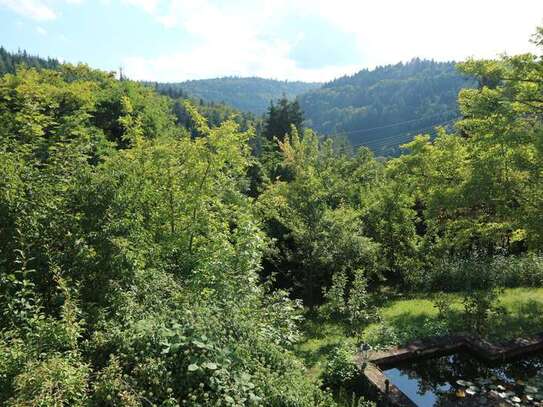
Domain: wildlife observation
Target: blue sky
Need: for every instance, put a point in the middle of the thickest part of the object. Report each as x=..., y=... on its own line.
x=312, y=40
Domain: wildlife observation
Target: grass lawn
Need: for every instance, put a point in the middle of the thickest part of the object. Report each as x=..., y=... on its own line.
x=414, y=317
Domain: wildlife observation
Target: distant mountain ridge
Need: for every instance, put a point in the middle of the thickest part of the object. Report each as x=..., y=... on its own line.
x=385, y=107
x=246, y=94
x=380, y=108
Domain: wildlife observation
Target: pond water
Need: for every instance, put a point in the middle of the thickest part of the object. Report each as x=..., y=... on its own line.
x=451, y=378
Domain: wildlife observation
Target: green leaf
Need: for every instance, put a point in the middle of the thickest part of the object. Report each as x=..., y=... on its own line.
x=199, y=344
x=210, y=365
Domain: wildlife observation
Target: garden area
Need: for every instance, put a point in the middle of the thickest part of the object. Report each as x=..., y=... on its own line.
x=329, y=347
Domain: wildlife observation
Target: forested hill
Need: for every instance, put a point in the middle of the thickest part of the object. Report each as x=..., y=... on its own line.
x=246, y=94
x=9, y=61
x=385, y=107
x=380, y=108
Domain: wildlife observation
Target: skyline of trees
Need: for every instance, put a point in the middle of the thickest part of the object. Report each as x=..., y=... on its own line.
x=380, y=108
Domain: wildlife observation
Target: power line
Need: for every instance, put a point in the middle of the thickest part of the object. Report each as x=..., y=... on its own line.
x=416, y=131
x=378, y=140
x=396, y=142
x=365, y=130
x=402, y=137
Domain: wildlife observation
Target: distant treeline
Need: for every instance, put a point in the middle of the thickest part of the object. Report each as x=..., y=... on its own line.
x=380, y=108
x=246, y=94
x=9, y=61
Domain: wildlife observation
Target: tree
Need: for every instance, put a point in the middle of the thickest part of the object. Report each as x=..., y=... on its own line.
x=281, y=118
x=479, y=190
x=10, y=61
x=316, y=217
x=385, y=107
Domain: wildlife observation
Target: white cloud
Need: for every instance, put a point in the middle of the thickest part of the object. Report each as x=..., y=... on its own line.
x=41, y=31
x=230, y=41
x=241, y=37
x=39, y=10
x=147, y=5
x=392, y=30
x=33, y=9
x=210, y=63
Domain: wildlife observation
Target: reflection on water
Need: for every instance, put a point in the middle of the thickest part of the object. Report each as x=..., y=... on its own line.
x=444, y=379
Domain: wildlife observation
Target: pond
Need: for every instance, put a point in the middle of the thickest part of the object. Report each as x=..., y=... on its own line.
x=451, y=378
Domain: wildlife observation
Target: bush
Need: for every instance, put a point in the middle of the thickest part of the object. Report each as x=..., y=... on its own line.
x=525, y=270
x=110, y=389
x=349, y=399
x=480, y=308
x=13, y=356
x=479, y=271
x=385, y=335
x=340, y=369
x=382, y=336
x=349, y=301
x=54, y=382
x=340, y=374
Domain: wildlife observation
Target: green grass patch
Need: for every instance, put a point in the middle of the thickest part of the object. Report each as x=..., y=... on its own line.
x=415, y=317
x=321, y=338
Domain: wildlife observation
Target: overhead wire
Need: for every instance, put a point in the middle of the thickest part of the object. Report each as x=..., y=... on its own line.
x=366, y=130
x=403, y=135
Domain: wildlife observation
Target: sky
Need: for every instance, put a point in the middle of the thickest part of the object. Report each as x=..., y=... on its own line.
x=309, y=40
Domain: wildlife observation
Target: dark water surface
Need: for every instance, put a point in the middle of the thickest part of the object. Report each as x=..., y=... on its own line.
x=433, y=381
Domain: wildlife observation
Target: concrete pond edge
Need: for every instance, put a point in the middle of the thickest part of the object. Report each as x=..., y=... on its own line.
x=376, y=383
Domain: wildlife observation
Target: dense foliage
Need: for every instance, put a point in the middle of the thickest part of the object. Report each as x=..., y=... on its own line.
x=130, y=256
x=214, y=113
x=246, y=94
x=471, y=194
x=387, y=106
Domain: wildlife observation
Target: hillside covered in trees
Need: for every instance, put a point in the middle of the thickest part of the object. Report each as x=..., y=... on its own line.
x=246, y=94
x=380, y=108
x=385, y=107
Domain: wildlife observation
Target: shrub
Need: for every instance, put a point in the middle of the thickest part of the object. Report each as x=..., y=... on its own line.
x=524, y=270
x=443, y=305
x=480, y=309
x=479, y=271
x=350, y=399
x=110, y=389
x=57, y=381
x=340, y=369
x=385, y=335
x=349, y=301
x=382, y=336
x=13, y=356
